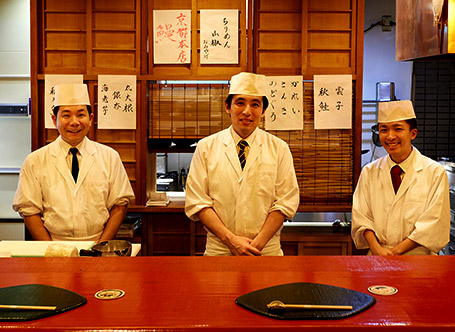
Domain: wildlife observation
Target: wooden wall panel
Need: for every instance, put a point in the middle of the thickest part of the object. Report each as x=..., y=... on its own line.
x=79, y=35
x=278, y=42
x=329, y=20
x=330, y=5
x=308, y=37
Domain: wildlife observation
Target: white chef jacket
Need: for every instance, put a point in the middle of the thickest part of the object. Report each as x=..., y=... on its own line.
x=419, y=211
x=72, y=211
x=242, y=199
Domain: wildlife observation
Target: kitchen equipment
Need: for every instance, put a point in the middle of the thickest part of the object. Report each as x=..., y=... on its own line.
x=111, y=248
x=304, y=292
x=449, y=165
x=13, y=109
x=385, y=91
x=37, y=295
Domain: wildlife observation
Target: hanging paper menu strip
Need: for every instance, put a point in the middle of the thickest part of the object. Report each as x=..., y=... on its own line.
x=332, y=101
x=116, y=102
x=50, y=81
x=285, y=95
x=171, y=36
x=219, y=36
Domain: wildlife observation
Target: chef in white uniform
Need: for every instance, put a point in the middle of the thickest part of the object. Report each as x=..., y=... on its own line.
x=414, y=220
x=57, y=205
x=242, y=209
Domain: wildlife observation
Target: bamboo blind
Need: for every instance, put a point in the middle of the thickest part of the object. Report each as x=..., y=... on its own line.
x=323, y=159
x=187, y=111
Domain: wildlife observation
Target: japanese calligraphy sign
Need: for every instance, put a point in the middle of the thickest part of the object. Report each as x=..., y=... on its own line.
x=219, y=36
x=172, y=36
x=116, y=102
x=50, y=81
x=285, y=95
x=332, y=101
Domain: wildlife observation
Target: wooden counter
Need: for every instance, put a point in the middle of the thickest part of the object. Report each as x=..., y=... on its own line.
x=198, y=293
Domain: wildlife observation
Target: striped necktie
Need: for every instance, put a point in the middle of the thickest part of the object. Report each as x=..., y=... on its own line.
x=242, y=158
x=75, y=164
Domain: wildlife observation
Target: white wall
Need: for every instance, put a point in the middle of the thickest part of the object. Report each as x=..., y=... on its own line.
x=15, y=132
x=14, y=51
x=379, y=65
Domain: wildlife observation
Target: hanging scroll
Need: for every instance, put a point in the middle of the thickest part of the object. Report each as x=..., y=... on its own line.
x=171, y=36
x=285, y=95
x=332, y=101
x=116, y=102
x=219, y=36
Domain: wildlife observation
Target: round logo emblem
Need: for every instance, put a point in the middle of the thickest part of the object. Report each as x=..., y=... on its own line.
x=382, y=290
x=109, y=294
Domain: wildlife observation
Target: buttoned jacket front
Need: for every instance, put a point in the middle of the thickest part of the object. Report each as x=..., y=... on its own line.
x=72, y=211
x=420, y=210
x=242, y=199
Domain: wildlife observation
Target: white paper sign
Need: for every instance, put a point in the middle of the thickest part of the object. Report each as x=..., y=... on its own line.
x=219, y=36
x=171, y=36
x=285, y=95
x=116, y=102
x=332, y=101
x=50, y=81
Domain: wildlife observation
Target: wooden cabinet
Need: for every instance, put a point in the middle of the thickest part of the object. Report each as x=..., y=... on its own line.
x=166, y=231
x=299, y=241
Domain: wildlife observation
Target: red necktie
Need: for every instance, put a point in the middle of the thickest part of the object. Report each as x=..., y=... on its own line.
x=396, y=178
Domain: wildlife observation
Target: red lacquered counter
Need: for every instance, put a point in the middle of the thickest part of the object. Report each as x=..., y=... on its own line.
x=198, y=293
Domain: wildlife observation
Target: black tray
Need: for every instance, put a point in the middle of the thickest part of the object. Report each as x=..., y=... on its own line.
x=37, y=295
x=306, y=293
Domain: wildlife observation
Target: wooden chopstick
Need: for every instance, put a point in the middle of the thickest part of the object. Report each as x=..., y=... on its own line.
x=319, y=306
x=27, y=307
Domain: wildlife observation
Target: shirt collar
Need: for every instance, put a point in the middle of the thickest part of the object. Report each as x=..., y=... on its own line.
x=405, y=164
x=65, y=146
x=236, y=137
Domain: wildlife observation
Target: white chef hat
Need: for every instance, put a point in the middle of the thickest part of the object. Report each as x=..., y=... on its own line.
x=71, y=94
x=248, y=84
x=395, y=111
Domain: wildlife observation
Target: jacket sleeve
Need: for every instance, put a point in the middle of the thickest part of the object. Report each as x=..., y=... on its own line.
x=197, y=193
x=432, y=228
x=362, y=217
x=28, y=199
x=287, y=197
x=121, y=192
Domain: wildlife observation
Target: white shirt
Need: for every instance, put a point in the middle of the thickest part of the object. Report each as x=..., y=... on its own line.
x=242, y=199
x=72, y=211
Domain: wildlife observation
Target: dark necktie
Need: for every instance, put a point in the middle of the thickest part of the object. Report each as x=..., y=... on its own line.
x=396, y=178
x=242, y=158
x=75, y=164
